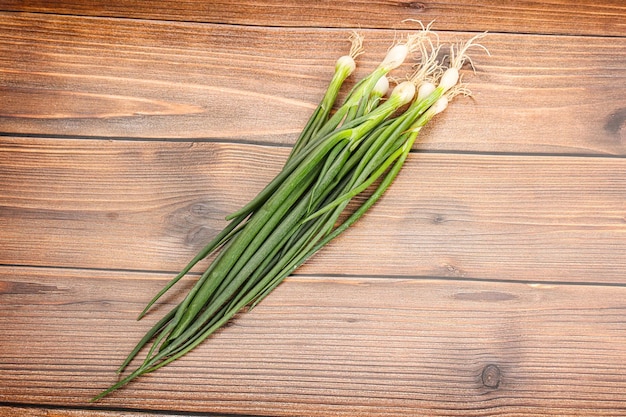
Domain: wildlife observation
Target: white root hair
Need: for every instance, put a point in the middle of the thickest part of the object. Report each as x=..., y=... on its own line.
x=460, y=89
x=458, y=52
x=356, y=49
x=414, y=41
x=428, y=69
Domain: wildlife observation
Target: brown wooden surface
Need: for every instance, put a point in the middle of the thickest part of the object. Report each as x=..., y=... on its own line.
x=490, y=280
x=320, y=346
x=581, y=17
x=96, y=77
x=512, y=217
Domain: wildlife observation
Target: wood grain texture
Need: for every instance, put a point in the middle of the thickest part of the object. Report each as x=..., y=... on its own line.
x=586, y=17
x=153, y=205
x=319, y=347
x=489, y=281
x=113, y=78
x=25, y=410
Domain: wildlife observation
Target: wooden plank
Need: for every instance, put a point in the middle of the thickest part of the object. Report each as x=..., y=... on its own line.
x=51, y=411
x=152, y=205
x=319, y=346
x=586, y=17
x=120, y=78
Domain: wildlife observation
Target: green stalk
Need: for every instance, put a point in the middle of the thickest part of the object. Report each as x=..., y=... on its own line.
x=258, y=227
x=219, y=240
x=336, y=157
x=358, y=189
x=380, y=190
x=391, y=175
x=274, y=277
x=320, y=115
x=230, y=287
x=362, y=89
x=319, y=149
x=331, y=167
x=148, y=336
x=354, y=131
x=191, y=336
x=257, y=221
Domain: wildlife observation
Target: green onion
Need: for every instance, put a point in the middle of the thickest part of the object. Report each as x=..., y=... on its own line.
x=339, y=155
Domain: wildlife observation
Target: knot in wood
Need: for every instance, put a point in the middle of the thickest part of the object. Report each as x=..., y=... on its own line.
x=491, y=376
x=416, y=6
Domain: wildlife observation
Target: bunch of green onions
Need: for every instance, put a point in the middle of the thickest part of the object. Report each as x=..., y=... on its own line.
x=344, y=150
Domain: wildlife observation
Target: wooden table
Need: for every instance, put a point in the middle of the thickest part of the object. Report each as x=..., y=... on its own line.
x=490, y=280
